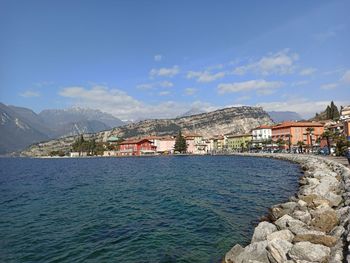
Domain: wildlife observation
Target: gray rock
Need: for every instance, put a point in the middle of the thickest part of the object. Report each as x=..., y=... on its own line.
x=262, y=230
x=255, y=251
x=231, y=256
x=281, y=235
x=278, y=249
x=309, y=252
x=303, y=216
x=287, y=221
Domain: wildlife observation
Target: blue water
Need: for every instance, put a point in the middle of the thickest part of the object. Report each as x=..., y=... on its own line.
x=161, y=209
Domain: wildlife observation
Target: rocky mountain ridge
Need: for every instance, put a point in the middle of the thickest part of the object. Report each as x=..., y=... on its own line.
x=234, y=120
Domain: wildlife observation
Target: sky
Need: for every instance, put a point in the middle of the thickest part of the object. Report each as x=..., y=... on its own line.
x=159, y=59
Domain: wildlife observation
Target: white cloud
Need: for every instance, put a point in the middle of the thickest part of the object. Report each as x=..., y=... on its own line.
x=122, y=105
x=279, y=63
x=329, y=86
x=158, y=57
x=346, y=77
x=304, y=107
x=263, y=87
x=299, y=83
x=190, y=91
x=307, y=71
x=205, y=76
x=165, y=72
x=164, y=93
x=160, y=84
x=329, y=33
x=30, y=94
x=243, y=98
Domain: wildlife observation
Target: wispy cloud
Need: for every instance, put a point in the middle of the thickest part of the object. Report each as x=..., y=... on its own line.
x=279, y=63
x=30, y=94
x=329, y=86
x=307, y=71
x=122, y=105
x=346, y=77
x=165, y=72
x=159, y=84
x=299, y=83
x=190, y=91
x=205, y=76
x=262, y=87
x=158, y=58
x=164, y=93
x=329, y=33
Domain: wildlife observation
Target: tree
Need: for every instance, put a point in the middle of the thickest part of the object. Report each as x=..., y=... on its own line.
x=342, y=145
x=280, y=142
x=327, y=135
x=242, y=147
x=300, y=144
x=334, y=111
x=180, y=143
x=289, y=142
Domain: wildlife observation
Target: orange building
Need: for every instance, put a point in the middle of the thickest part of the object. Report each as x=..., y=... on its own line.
x=297, y=131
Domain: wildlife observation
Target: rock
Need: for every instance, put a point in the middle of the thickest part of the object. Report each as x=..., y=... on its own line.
x=281, y=235
x=334, y=199
x=325, y=221
x=280, y=210
x=309, y=252
x=262, y=230
x=231, y=256
x=287, y=221
x=309, y=199
x=255, y=251
x=328, y=241
x=278, y=249
x=303, y=216
x=337, y=232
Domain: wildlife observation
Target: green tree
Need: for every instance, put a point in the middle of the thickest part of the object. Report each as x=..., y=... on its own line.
x=280, y=142
x=342, y=145
x=328, y=135
x=180, y=143
x=334, y=112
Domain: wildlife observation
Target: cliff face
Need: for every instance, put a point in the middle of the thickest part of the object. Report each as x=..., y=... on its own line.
x=235, y=120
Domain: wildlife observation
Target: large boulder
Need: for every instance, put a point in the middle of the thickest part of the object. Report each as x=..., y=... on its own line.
x=306, y=251
x=303, y=216
x=325, y=221
x=278, y=249
x=262, y=230
x=231, y=256
x=328, y=241
x=287, y=221
x=281, y=235
x=254, y=252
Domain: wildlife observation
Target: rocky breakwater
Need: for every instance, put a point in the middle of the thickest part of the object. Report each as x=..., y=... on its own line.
x=312, y=226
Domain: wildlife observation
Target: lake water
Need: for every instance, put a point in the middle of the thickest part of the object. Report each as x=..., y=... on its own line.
x=155, y=209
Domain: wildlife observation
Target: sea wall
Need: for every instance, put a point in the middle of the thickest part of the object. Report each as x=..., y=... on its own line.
x=313, y=226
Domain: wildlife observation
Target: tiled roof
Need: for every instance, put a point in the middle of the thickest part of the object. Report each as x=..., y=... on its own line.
x=134, y=141
x=297, y=124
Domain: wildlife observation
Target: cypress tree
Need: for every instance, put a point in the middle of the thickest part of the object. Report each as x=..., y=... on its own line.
x=180, y=143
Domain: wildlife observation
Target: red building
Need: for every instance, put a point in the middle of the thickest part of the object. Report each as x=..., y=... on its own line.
x=137, y=147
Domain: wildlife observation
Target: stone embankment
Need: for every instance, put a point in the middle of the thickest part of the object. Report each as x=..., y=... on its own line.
x=313, y=226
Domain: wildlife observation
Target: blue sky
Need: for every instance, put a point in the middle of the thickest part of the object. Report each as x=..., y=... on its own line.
x=138, y=59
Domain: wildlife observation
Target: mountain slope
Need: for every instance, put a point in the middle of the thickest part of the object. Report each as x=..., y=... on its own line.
x=235, y=120
x=280, y=116
x=16, y=132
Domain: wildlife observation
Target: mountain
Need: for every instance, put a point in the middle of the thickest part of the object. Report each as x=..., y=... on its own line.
x=234, y=120
x=193, y=111
x=21, y=127
x=280, y=116
x=56, y=118
x=18, y=132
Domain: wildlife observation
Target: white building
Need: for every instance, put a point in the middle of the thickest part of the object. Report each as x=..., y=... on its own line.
x=345, y=113
x=261, y=134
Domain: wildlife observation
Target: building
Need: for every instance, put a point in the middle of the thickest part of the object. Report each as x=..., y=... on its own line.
x=164, y=144
x=237, y=142
x=293, y=132
x=345, y=113
x=137, y=147
x=192, y=140
x=217, y=144
x=261, y=135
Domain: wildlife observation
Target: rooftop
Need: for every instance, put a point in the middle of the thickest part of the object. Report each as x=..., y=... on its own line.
x=297, y=124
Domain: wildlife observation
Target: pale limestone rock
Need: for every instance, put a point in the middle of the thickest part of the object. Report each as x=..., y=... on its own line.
x=262, y=230
x=282, y=234
x=309, y=252
x=278, y=249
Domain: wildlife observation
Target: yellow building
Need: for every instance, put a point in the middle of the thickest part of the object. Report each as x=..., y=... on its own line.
x=236, y=142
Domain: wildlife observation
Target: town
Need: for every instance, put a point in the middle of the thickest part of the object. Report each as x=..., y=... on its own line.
x=322, y=137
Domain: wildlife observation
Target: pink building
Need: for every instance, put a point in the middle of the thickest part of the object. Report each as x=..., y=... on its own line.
x=164, y=144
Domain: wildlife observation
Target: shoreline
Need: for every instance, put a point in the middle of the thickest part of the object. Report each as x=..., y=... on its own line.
x=313, y=226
